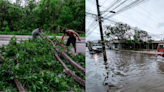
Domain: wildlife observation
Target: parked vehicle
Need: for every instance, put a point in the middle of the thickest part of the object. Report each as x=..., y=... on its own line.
x=160, y=50
x=94, y=47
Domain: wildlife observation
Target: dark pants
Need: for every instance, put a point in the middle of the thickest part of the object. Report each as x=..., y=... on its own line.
x=71, y=40
x=34, y=37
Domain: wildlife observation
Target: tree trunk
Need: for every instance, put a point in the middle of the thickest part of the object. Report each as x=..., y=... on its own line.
x=19, y=85
x=2, y=58
x=69, y=72
x=73, y=63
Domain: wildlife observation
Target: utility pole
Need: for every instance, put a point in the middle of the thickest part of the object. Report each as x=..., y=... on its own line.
x=102, y=37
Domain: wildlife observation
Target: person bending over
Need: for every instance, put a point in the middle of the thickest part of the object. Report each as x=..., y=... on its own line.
x=71, y=39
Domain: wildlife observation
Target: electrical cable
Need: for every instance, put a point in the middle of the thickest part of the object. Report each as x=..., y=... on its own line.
x=149, y=13
x=111, y=5
x=92, y=30
x=103, y=2
x=120, y=4
x=136, y=21
x=126, y=7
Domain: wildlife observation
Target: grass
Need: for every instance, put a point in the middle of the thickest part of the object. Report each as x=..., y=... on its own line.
x=29, y=33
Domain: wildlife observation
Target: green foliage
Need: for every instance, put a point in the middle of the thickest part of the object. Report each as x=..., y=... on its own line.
x=7, y=29
x=37, y=70
x=5, y=23
x=46, y=14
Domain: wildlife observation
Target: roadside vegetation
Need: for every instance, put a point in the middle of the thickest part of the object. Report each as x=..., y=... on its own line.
x=33, y=63
x=51, y=15
x=128, y=37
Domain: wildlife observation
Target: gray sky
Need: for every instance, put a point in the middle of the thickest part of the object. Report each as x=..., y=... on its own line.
x=147, y=16
x=22, y=2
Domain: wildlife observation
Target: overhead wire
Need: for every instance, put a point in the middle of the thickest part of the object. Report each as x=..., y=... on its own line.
x=95, y=3
x=126, y=7
x=137, y=21
x=91, y=25
x=103, y=2
x=91, y=7
x=150, y=13
x=114, y=3
x=120, y=4
x=116, y=7
x=92, y=30
x=142, y=14
x=145, y=15
x=95, y=26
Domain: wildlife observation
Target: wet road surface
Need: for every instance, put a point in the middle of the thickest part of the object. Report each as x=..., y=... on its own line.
x=80, y=45
x=125, y=72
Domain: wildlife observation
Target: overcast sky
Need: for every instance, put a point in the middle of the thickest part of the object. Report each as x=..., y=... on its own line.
x=23, y=3
x=148, y=16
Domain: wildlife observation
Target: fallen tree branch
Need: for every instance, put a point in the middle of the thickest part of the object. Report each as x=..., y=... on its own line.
x=69, y=72
x=73, y=63
x=19, y=85
x=3, y=64
x=2, y=58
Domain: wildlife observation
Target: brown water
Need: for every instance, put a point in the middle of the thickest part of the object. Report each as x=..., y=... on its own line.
x=125, y=72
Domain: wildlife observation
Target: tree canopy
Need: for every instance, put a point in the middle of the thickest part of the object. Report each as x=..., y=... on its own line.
x=47, y=14
x=127, y=34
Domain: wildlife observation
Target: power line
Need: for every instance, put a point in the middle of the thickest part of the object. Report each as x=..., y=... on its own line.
x=93, y=29
x=114, y=3
x=103, y=2
x=120, y=4
x=145, y=15
x=95, y=26
x=95, y=3
x=91, y=25
x=90, y=18
x=91, y=7
x=150, y=13
x=109, y=12
x=91, y=21
x=136, y=21
x=126, y=7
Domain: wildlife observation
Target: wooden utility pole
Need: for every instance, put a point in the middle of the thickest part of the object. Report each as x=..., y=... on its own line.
x=102, y=37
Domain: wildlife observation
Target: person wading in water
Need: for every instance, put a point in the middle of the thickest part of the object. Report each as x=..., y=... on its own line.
x=71, y=39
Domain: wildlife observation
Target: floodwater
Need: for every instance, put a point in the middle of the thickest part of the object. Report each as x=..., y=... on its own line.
x=125, y=72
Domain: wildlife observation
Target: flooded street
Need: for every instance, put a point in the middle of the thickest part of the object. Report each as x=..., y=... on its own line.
x=125, y=72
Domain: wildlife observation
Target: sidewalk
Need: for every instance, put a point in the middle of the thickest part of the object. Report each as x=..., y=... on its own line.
x=146, y=52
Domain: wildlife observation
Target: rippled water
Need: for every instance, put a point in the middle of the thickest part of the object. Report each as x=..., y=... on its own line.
x=125, y=72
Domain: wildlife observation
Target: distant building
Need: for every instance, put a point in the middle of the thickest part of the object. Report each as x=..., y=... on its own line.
x=152, y=45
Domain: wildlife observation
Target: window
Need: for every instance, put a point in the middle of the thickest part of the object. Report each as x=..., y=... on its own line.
x=161, y=47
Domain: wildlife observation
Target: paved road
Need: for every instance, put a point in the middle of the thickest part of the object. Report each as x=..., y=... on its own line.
x=4, y=39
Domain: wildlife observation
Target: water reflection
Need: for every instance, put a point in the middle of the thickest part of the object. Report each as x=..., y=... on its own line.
x=125, y=72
